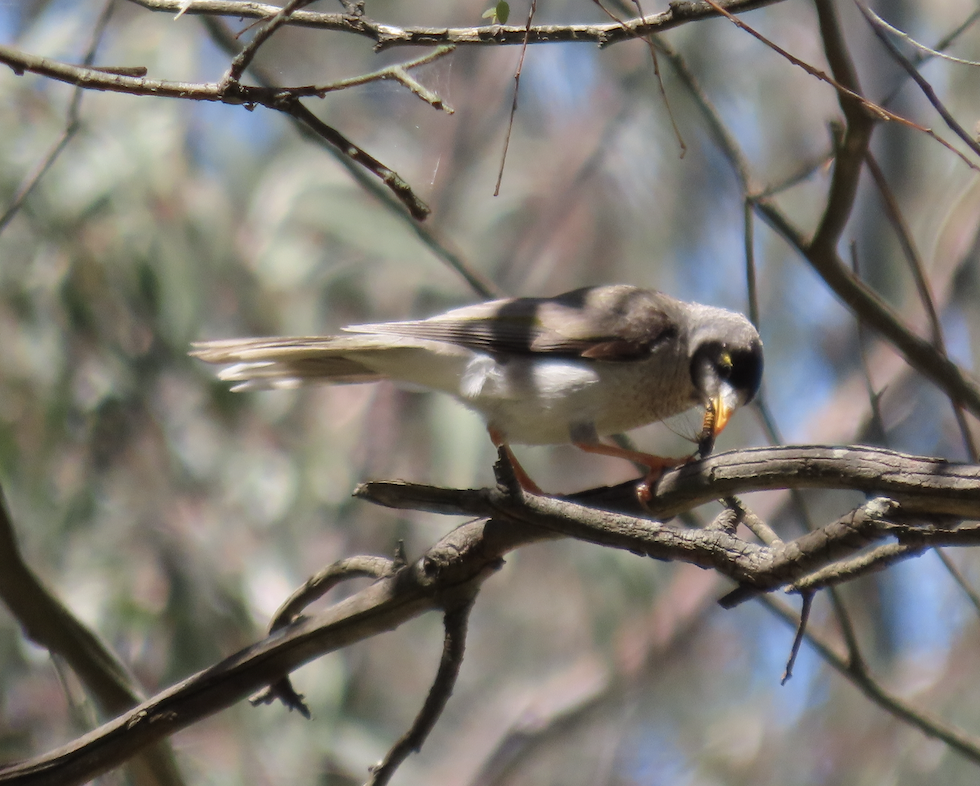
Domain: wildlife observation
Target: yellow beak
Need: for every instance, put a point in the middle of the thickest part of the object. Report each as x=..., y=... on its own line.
x=721, y=412
x=717, y=412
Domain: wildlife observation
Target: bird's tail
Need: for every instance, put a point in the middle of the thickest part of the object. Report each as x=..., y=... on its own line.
x=273, y=363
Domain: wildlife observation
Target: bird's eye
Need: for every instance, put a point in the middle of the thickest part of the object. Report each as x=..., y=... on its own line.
x=725, y=365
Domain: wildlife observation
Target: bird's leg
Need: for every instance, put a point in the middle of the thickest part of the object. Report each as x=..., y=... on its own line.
x=655, y=464
x=519, y=473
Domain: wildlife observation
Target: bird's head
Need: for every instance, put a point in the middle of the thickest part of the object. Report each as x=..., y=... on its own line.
x=726, y=368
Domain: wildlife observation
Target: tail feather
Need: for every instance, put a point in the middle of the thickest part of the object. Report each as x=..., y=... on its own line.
x=273, y=363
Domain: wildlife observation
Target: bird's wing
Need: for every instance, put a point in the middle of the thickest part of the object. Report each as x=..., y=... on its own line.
x=601, y=323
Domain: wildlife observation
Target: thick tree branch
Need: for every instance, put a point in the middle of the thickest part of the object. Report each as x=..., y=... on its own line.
x=450, y=573
x=50, y=624
x=921, y=485
x=447, y=575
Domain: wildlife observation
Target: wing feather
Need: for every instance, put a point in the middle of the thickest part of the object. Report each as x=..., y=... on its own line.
x=600, y=323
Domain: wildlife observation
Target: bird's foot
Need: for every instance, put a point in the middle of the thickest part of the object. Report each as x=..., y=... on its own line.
x=644, y=487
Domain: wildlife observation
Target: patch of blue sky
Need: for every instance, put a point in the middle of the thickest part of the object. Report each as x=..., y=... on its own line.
x=741, y=116
x=956, y=331
x=766, y=643
x=797, y=384
x=713, y=271
x=11, y=13
x=54, y=17
x=807, y=377
x=925, y=610
x=653, y=756
x=216, y=130
x=559, y=78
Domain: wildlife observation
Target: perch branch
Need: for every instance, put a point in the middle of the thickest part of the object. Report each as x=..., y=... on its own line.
x=451, y=572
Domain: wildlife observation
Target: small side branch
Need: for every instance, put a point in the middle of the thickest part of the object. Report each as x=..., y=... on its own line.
x=229, y=91
x=928, y=723
x=314, y=589
x=878, y=27
x=453, y=647
x=244, y=58
x=798, y=639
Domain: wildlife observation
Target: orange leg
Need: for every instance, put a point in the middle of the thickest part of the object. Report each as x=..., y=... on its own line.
x=648, y=460
x=655, y=464
x=519, y=472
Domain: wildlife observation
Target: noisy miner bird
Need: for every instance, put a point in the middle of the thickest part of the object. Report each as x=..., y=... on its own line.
x=540, y=371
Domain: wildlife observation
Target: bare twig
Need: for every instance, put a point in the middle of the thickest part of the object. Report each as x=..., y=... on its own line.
x=920, y=80
x=872, y=561
x=874, y=110
x=517, y=89
x=928, y=723
x=874, y=396
x=320, y=584
x=402, y=190
x=652, y=46
x=439, y=246
x=72, y=121
x=315, y=588
x=718, y=130
x=454, y=644
x=385, y=35
x=924, y=50
x=752, y=290
x=244, y=58
x=33, y=178
x=229, y=92
x=944, y=43
x=914, y=259
x=798, y=638
x=753, y=523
